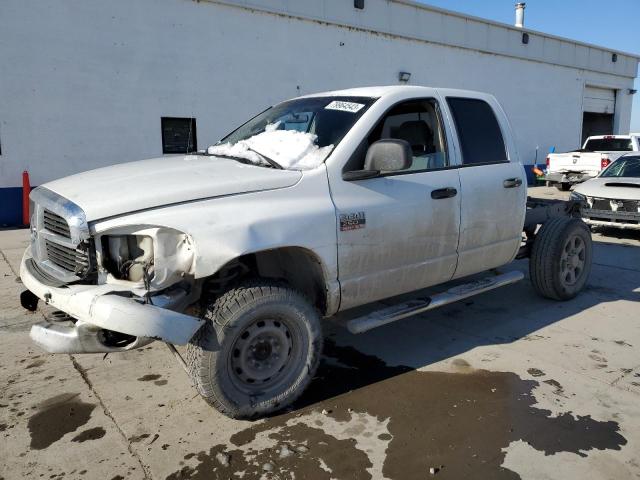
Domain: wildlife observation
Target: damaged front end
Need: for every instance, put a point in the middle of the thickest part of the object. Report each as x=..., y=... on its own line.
x=116, y=290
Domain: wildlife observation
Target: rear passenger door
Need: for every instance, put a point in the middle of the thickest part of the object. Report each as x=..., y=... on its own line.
x=493, y=186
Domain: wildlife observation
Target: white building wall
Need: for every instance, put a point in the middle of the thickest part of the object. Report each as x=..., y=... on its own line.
x=84, y=83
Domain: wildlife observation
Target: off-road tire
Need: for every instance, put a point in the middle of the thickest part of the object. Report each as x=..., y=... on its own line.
x=548, y=261
x=563, y=187
x=213, y=351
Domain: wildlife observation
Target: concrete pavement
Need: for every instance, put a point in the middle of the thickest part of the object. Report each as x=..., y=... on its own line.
x=504, y=385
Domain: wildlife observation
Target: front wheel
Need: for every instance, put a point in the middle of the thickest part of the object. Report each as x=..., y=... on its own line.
x=258, y=350
x=560, y=261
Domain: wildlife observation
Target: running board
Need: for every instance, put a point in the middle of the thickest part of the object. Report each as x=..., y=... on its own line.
x=419, y=305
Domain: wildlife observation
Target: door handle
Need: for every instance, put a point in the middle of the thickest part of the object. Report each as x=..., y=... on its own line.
x=444, y=193
x=512, y=182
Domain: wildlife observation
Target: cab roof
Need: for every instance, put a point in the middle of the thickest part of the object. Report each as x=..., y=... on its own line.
x=386, y=90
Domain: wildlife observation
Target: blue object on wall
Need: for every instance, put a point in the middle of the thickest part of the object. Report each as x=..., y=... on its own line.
x=11, y=207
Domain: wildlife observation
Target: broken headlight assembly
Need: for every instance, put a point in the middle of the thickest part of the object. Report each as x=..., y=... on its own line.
x=155, y=256
x=128, y=257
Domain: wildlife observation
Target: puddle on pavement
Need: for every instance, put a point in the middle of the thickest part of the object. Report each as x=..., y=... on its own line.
x=37, y=363
x=149, y=377
x=90, y=434
x=139, y=438
x=458, y=423
x=56, y=417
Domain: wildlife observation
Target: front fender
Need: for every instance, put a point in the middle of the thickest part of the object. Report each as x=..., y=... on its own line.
x=223, y=229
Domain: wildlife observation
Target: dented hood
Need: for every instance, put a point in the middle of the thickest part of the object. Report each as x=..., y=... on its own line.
x=134, y=186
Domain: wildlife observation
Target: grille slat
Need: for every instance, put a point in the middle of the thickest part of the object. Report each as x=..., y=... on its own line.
x=67, y=254
x=67, y=258
x=61, y=248
x=62, y=257
x=61, y=261
x=56, y=224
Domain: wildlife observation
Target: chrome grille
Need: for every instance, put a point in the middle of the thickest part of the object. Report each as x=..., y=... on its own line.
x=72, y=260
x=629, y=206
x=604, y=204
x=601, y=204
x=61, y=244
x=55, y=223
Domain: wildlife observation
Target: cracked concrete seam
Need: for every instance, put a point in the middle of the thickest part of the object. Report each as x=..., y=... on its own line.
x=83, y=373
x=6, y=260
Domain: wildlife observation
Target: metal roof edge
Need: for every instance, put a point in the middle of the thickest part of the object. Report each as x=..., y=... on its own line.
x=465, y=16
x=248, y=5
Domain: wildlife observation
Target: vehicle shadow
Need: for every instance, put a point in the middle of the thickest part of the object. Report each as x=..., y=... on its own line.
x=605, y=233
x=502, y=316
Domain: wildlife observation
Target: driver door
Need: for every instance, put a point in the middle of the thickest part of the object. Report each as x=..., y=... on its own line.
x=399, y=232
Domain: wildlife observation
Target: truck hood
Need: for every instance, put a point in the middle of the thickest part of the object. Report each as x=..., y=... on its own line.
x=134, y=186
x=620, y=188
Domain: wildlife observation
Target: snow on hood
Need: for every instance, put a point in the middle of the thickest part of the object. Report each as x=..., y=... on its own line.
x=291, y=149
x=620, y=188
x=133, y=186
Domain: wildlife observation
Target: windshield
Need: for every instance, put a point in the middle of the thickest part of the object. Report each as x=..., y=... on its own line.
x=623, y=167
x=609, y=145
x=298, y=135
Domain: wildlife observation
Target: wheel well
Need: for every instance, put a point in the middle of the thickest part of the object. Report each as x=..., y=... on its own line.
x=299, y=267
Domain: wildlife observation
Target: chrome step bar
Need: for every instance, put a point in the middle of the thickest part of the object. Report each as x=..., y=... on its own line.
x=419, y=305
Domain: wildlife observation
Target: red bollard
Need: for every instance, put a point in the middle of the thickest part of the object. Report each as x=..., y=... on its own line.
x=26, y=189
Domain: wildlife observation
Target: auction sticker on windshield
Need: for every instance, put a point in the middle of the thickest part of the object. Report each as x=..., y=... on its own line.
x=344, y=106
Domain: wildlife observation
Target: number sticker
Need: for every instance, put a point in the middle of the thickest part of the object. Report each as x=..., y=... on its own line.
x=350, y=107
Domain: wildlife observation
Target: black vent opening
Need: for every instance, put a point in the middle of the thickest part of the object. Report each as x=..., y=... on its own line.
x=56, y=224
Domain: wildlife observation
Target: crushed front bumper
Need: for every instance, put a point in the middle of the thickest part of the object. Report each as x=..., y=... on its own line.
x=78, y=337
x=97, y=308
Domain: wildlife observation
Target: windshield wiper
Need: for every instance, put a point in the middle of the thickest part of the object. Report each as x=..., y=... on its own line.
x=246, y=161
x=270, y=161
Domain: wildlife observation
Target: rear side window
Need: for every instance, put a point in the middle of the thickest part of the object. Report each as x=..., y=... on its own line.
x=609, y=145
x=478, y=130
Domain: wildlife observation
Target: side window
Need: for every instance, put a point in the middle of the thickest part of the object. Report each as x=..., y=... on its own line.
x=480, y=136
x=418, y=122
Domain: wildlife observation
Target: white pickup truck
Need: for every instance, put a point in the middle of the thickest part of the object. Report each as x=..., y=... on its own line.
x=566, y=169
x=317, y=205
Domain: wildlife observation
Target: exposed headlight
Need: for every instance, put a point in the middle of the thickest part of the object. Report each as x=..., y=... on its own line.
x=157, y=256
x=128, y=257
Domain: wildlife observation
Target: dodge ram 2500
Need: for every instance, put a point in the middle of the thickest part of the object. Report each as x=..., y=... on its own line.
x=317, y=205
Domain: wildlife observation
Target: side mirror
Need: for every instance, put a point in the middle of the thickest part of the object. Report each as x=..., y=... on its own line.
x=386, y=155
x=389, y=155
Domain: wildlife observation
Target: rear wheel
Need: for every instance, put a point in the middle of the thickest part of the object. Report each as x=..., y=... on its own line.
x=258, y=350
x=560, y=261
